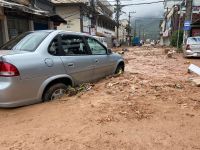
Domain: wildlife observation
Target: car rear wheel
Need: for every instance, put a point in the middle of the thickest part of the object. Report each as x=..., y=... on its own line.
x=55, y=91
x=120, y=69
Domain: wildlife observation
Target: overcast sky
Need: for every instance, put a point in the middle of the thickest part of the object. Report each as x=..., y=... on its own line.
x=153, y=10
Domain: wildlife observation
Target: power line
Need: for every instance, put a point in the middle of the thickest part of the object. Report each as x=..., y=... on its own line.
x=148, y=3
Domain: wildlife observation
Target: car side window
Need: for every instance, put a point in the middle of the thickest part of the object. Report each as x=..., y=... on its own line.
x=95, y=47
x=73, y=45
x=54, y=47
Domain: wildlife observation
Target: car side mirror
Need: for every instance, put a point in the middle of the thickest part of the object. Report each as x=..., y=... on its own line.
x=109, y=51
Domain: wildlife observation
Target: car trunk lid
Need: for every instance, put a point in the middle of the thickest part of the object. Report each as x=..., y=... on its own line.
x=195, y=47
x=11, y=52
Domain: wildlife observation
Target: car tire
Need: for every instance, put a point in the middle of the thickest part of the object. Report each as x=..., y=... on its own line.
x=120, y=69
x=55, y=91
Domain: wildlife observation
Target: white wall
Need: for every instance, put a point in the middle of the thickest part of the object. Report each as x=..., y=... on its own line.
x=72, y=15
x=196, y=2
x=106, y=32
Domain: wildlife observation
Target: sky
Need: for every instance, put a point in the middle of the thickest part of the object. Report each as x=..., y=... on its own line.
x=146, y=20
x=153, y=10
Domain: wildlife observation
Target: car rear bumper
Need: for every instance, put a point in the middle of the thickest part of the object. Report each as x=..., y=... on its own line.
x=14, y=92
x=190, y=53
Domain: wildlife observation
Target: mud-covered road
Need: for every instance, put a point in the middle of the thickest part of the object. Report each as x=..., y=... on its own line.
x=152, y=106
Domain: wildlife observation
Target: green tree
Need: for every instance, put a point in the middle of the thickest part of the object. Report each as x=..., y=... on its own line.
x=174, y=39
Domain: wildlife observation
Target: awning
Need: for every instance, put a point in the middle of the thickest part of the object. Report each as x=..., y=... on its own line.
x=23, y=8
x=11, y=5
x=57, y=18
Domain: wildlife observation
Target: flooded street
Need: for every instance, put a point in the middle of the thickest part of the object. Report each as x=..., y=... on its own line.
x=151, y=106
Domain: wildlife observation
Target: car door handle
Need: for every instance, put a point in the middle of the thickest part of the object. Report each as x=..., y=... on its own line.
x=96, y=60
x=70, y=64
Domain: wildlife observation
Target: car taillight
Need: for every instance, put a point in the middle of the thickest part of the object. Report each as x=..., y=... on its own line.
x=8, y=70
x=188, y=47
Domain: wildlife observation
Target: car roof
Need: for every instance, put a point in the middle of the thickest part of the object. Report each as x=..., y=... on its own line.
x=69, y=32
x=66, y=32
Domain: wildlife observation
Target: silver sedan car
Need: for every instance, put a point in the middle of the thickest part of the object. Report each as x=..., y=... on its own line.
x=39, y=66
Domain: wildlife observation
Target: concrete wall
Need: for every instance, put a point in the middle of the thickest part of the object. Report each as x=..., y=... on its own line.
x=72, y=15
x=3, y=27
x=165, y=41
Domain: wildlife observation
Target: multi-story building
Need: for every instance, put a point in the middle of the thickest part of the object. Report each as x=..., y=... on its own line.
x=18, y=16
x=84, y=16
x=174, y=17
x=123, y=34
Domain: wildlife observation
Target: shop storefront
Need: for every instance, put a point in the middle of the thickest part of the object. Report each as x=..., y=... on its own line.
x=40, y=23
x=16, y=19
x=17, y=26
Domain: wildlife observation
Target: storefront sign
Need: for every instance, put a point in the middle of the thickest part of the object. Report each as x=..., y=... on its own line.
x=69, y=24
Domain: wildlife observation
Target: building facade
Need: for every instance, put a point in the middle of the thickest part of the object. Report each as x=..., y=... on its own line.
x=174, y=18
x=123, y=34
x=19, y=16
x=82, y=16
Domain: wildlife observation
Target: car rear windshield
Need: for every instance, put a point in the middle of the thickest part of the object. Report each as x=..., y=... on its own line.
x=28, y=41
x=194, y=40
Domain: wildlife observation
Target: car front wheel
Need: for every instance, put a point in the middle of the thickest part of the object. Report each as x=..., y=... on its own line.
x=55, y=91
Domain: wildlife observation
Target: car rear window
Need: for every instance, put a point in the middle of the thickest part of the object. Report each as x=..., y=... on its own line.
x=194, y=40
x=28, y=41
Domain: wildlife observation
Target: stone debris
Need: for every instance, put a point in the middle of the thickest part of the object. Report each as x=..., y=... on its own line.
x=170, y=53
x=194, y=68
x=195, y=81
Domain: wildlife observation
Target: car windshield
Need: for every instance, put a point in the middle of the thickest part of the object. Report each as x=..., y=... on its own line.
x=28, y=41
x=194, y=40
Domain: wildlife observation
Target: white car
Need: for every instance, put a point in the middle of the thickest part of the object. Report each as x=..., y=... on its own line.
x=192, y=47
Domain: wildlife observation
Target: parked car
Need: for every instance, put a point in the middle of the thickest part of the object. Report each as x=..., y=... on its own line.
x=192, y=47
x=39, y=66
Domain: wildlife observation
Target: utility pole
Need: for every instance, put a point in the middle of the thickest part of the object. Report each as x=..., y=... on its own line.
x=118, y=10
x=140, y=31
x=135, y=29
x=93, y=21
x=188, y=17
x=129, y=27
x=143, y=34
